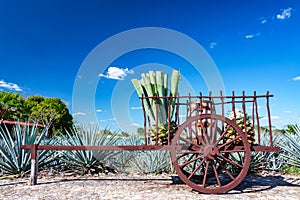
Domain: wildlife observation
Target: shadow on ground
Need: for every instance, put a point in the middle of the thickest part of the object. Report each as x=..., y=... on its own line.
x=251, y=184
x=257, y=183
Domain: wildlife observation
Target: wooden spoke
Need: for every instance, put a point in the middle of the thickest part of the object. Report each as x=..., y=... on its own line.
x=229, y=174
x=186, y=152
x=216, y=174
x=205, y=173
x=233, y=163
x=189, y=141
x=189, y=161
x=214, y=131
x=232, y=151
x=196, y=169
x=203, y=131
x=222, y=136
x=224, y=168
x=229, y=142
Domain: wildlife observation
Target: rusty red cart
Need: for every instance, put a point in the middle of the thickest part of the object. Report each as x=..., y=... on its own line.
x=211, y=147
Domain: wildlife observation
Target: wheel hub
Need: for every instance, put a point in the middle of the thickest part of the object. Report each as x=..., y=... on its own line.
x=209, y=151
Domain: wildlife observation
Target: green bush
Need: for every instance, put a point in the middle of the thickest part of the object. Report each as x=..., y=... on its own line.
x=290, y=169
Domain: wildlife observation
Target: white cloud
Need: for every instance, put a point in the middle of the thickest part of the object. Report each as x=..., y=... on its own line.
x=99, y=110
x=79, y=113
x=297, y=78
x=263, y=21
x=68, y=103
x=136, y=108
x=212, y=45
x=287, y=111
x=250, y=36
x=258, y=107
x=134, y=124
x=116, y=73
x=9, y=86
x=285, y=14
x=272, y=117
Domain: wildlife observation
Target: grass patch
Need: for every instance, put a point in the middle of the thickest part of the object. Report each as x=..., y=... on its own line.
x=290, y=169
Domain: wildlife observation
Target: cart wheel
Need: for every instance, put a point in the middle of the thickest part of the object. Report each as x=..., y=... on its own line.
x=205, y=158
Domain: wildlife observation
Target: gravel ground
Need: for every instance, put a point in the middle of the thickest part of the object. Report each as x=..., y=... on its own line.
x=134, y=186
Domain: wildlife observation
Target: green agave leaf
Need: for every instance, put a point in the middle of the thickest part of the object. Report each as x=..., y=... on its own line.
x=156, y=84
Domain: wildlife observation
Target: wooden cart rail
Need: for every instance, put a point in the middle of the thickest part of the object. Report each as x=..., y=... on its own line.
x=248, y=104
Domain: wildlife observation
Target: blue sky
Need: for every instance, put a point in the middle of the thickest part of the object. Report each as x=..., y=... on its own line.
x=254, y=44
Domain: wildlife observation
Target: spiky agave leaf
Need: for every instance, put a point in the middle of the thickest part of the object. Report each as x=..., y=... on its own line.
x=161, y=102
x=151, y=162
x=122, y=160
x=141, y=91
x=17, y=161
x=173, y=89
x=291, y=146
x=86, y=160
x=158, y=109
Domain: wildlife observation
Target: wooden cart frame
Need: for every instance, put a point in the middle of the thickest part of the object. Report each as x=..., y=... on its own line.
x=203, y=154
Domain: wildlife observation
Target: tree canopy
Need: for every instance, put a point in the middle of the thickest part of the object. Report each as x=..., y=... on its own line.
x=14, y=103
x=36, y=109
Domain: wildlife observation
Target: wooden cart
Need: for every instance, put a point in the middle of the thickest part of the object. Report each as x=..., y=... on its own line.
x=211, y=148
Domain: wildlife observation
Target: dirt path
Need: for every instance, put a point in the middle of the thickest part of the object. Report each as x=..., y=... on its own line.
x=276, y=186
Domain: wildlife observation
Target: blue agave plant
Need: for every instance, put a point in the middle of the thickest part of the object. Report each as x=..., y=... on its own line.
x=291, y=146
x=16, y=161
x=88, y=161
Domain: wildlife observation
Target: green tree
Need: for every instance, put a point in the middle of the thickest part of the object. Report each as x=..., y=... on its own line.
x=47, y=111
x=140, y=131
x=14, y=105
x=291, y=128
x=50, y=111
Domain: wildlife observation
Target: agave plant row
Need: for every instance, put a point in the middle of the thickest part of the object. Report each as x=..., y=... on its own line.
x=16, y=161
